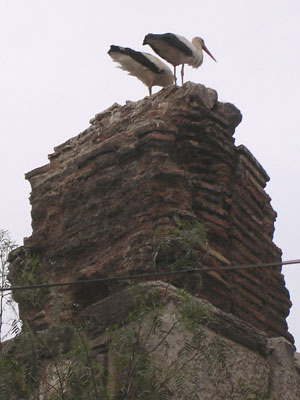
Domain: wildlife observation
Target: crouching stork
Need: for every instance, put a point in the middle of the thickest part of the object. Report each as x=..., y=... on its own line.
x=146, y=67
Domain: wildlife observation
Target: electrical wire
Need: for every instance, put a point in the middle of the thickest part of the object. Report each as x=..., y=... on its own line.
x=151, y=275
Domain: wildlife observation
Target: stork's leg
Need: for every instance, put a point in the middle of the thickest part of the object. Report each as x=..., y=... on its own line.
x=151, y=84
x=175, y=79
x=182, y=73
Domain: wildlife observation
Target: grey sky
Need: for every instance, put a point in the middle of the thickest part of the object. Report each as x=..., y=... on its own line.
x=56, y=74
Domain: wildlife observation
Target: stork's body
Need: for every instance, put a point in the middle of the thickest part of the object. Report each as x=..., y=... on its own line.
x=177, y=50
x=146, y=67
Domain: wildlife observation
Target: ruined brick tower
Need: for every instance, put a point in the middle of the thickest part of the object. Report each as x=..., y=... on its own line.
x=96, y=205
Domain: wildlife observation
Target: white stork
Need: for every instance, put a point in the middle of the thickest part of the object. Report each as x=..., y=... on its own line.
x=146, y=67
x=178, y=50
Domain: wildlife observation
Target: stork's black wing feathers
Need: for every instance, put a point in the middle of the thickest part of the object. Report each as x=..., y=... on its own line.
x=137, y=56
x=169, y=38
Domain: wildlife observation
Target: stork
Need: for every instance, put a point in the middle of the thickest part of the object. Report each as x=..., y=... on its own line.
x=178, y=50
x=146, y=67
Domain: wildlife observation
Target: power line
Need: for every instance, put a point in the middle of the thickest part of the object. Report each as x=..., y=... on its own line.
x=151, y=275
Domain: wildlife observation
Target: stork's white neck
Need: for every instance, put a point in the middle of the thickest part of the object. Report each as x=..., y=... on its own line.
x=198, y=43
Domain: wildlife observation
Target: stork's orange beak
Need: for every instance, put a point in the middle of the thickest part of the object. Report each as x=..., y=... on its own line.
x=208, y=52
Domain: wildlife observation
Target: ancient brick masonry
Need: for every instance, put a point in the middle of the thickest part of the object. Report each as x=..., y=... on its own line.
x=96, y=205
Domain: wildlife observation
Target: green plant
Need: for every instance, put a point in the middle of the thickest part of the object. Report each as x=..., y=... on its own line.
x=72, y=371
x=136, y=347
x=183, y=246
x=8, y=307
x=250, y=393
x=138, y=359
x=62, y=355
x=73, y=374
x=20, y=366
x=28, y=276
x=193, y=313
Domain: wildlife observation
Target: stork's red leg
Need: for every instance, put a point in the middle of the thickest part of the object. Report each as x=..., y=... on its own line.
x=175, y=79
x=150, y=86
x=182, y=73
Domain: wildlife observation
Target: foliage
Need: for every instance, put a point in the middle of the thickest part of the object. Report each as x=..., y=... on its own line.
x=134, y=352
x=20, y=364
x=8, y=307
x=182, y=247
x=28, y=276
x=71, y=372
x=193, y=313
x=250, y=393
x=60, y=364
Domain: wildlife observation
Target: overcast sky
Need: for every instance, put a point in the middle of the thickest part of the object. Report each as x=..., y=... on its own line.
x=55, y=75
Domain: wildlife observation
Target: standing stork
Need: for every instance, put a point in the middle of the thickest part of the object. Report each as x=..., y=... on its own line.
x=178, y=50
x=146, y=67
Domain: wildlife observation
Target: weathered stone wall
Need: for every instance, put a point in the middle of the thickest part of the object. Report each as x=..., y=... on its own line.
x=96, y=205
x=164, y=344
x=234, y=355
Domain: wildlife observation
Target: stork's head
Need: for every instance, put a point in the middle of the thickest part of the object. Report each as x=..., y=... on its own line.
x=199, y=44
